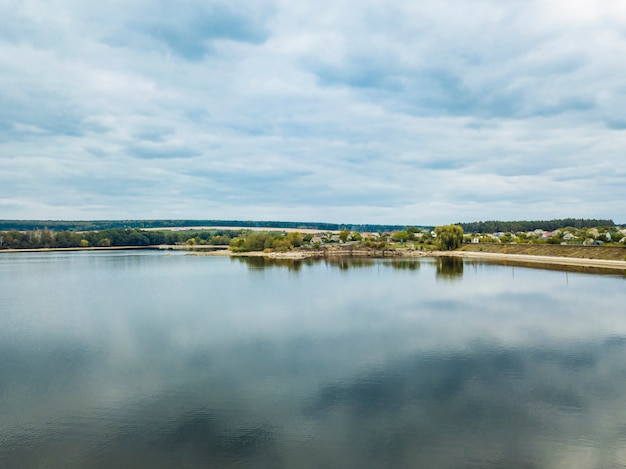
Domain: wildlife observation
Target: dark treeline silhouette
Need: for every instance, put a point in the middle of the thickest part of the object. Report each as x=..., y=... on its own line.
x=97, y=225
x=548, y=225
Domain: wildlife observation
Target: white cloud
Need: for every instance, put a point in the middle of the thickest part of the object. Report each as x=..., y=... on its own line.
x=426, y=112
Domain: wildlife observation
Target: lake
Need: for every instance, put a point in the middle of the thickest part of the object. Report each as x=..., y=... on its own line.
x=160, y=359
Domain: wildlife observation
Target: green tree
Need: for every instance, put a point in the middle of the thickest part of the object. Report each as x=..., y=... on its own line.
x=136, y=238
x=172, y=238
x=220, y=239
x=237, y=244
x=105, y=242
x=67, y=239
x=344, y=235
x=449, y=237
x=506, y=238
x=47, y=238
x=557, y=239
x=400, y=236
x=295, y=239
x=155, y=237
x=281, y=244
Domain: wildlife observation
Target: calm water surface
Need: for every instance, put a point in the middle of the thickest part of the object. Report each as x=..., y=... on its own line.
x=147, y=359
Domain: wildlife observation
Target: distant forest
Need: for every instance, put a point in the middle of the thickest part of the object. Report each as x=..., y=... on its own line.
x=547, y=225
x=97, y=225
x=37, y=239
x=473, y=227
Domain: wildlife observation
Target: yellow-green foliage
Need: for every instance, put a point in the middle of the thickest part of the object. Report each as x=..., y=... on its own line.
x=449, y=237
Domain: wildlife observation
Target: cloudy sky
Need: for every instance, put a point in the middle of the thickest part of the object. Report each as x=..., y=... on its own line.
x=423, y=112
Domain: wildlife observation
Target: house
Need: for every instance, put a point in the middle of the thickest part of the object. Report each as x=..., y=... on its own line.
x=316, y=239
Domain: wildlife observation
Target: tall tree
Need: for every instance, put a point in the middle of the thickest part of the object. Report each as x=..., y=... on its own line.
x=449, y=237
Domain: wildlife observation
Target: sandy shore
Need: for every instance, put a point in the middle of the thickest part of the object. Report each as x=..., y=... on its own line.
x=547, y=260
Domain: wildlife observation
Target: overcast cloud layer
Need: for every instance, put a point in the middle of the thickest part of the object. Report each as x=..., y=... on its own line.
x=342, y=111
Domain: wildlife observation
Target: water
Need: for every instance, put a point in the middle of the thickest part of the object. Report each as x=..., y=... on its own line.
x=147, y=359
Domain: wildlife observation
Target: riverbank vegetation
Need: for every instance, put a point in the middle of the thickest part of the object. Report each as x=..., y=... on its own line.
x=49, y=239
x=449, y=237
x=266, y=241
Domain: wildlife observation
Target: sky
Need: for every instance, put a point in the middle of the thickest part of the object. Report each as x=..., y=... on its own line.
x=346, y=111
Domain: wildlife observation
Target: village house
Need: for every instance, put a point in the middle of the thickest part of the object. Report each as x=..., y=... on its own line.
x=317, y=239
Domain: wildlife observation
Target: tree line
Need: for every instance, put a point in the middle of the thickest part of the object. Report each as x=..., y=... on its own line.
x=38, y=239
x=99, y=225
x=492, y=226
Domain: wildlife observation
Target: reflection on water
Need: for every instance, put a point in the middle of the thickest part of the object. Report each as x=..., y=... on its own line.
x=345, y=263
x=341, y=262
x=449, y=268
x=185, y=361
x=406, y=264
x=260, y=263
x=495, y=403
x=556, y=267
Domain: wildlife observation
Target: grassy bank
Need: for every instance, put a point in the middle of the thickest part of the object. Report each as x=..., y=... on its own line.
x=615, y=253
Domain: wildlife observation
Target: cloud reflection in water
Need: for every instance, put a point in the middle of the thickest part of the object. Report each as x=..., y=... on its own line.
x=376, y=365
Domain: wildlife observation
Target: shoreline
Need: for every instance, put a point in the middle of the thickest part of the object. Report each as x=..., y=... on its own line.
x=491, y=257
x=300, y=254
x=541, y=260
x=89, y=248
